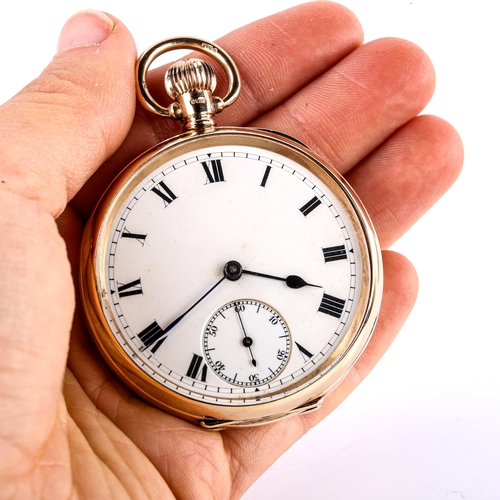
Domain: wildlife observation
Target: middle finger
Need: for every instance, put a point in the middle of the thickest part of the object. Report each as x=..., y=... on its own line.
x=359, y=103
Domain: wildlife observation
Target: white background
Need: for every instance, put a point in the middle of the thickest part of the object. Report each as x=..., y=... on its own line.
x=426, y=422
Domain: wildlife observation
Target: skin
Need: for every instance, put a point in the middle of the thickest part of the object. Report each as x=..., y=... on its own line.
x=68, y=427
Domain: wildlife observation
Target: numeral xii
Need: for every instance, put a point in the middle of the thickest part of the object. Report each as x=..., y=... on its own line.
x=214, y=171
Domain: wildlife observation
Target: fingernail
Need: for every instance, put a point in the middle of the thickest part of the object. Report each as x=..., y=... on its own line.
x=88, y=27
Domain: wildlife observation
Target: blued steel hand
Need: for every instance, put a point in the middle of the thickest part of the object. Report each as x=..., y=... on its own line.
x=233, y=271
x=292, y=281
x=159, y=337
x=247, y=341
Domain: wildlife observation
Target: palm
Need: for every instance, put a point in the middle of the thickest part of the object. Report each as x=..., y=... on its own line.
x=355, y=106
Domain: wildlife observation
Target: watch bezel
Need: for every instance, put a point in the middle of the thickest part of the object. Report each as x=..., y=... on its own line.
x=317, y=383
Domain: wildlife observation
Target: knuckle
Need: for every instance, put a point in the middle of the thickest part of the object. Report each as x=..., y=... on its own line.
x=58, y=84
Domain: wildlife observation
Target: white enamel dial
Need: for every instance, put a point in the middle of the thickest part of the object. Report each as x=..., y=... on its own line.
x=174, y=305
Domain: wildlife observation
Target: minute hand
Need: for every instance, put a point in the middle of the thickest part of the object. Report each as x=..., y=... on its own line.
x=174, y=323
x=291, y=281
x=159, y=337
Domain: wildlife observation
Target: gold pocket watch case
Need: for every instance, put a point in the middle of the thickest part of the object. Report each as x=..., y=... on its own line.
x=229, y=276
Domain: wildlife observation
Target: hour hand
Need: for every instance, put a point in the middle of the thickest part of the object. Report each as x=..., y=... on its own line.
x=233, y=271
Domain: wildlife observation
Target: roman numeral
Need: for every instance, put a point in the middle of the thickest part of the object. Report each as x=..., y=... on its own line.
x=136, y=236
x=194, y=368
x=266, y=176
x=158, y=344
x=310, y=206
x=335, y=253
x=331, y=305
x=164, y=192
x=132, y=288
x=306, y=355
x=150, y=335
x=214, y=171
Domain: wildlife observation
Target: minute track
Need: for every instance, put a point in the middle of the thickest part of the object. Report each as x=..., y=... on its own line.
x=159, y=339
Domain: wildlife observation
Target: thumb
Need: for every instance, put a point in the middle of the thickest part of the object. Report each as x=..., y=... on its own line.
x=53, y=135
x=62, y=126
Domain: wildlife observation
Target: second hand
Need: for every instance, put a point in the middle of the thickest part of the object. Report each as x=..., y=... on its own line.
x=247, y=341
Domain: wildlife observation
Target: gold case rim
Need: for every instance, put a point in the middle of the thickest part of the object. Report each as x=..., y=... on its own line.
x=350, y=348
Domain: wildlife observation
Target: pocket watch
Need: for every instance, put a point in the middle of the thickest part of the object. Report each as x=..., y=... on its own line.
x=229, y=275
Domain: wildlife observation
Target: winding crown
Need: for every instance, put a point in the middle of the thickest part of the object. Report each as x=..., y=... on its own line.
x=191, y=82
x=189, y=74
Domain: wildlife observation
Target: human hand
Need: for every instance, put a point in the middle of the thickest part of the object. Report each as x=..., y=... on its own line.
x=98, y=440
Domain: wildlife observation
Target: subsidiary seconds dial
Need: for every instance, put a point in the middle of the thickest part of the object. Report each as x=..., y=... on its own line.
x=247, y=343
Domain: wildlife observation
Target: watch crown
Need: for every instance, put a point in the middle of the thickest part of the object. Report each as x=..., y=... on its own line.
x=189, y=74
x=191, y=82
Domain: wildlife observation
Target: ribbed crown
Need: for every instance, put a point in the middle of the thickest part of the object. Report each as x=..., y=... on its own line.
x=189, y=74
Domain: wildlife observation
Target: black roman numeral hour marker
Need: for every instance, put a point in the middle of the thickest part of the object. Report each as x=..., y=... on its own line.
x=335, y=253
x=331, y=305
x=306, y=355
x=266, y=176
x=213, y=169
x=164, y=192
x=195, y=366
x=132, y=288
x=150, y=334
x=310, y=206
x=136, y=236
